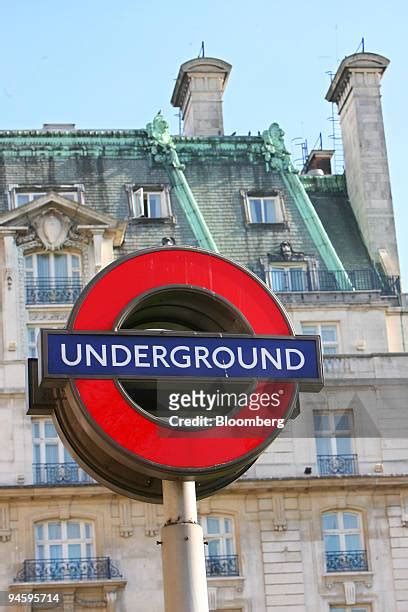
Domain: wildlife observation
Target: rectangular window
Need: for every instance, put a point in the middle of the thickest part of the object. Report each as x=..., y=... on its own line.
x=328, y=334
x=334, y=443
x=52, y=278
x=21, y=195
x=52, y=463
x=149, y=202
x=263, y=208
x=287, y=278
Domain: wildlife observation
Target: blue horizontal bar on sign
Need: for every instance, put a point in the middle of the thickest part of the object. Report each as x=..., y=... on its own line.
x=127, y=355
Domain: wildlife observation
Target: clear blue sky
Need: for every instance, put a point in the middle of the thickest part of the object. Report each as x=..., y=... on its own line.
x=103, y=64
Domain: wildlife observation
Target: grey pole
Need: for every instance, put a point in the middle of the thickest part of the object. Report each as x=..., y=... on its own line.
x=184, y=576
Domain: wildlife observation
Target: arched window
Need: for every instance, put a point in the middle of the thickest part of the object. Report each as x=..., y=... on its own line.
x=68, y=540
x=64, y=550
x=344, y=542
x=221, y=557
x=52, y=278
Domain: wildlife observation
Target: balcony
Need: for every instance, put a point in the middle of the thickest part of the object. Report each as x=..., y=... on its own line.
x=52, y=290
x=59, y=474
x=332, y=465
x=92, y=568
x=351, y=561
x=217, y=566
x=301, y=281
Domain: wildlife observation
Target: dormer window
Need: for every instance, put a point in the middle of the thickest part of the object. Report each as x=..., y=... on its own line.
x=264, y=208
x=149, y=202
x=23, y=194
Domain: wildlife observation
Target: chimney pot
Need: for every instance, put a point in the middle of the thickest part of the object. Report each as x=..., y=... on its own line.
x=198, y=93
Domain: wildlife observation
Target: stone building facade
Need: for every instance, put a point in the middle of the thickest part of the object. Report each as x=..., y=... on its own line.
x=320, y=522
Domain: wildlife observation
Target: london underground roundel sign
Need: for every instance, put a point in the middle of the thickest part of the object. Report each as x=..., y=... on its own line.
x=175, y=363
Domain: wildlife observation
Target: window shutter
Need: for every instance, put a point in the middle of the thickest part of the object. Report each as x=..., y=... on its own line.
x=137, y=203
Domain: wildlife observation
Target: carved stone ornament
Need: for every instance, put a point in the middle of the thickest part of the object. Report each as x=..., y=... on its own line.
x=52, y=228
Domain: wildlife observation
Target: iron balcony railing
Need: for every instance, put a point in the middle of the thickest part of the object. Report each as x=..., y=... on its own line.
x=351, y=561
x=50, y=570
x=297, y=280
x=330, y=465
x=222, y=565
x=52, y=290
x=59, y=474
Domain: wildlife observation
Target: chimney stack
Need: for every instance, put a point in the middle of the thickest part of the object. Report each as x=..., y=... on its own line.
x=318, y=162
x=356, y=91
x=198, y=93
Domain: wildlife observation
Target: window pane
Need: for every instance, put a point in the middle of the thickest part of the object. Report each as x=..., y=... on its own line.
x=309, y=329
x=50, y=431
x=54, y=531
x=73, y=531
x=342, y=422
x=332, y=543
x=29, y=262
x=61, y=266
x=321, y=422
x=328, y=333
x=22, y=198
x=70, y=195
x=40, y=552
x=323, y=446
x=269, y=211
x=343, y=446
x=89, y=550
x=279, y=281
x=329, y=521
x=36, y=429
x=350, y=520
x=43, y=266
x=213, y=525
x=229, y=547
x=228, y=525
x=154, y=205
x=67, y=456
x=55, y=551
x=297, y=282
x=39, y=532
x=74, y=551
x=214, y=548
x=88, y=532
x=75, y=262
x=51, y=453
x=255, y=210
x=329, y=350
x=353, y=542
x=37, y=453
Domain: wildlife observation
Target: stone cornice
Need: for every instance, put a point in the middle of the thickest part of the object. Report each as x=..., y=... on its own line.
x=267, y=148
x=361, y=62
x=316, y=483
x=22, y=494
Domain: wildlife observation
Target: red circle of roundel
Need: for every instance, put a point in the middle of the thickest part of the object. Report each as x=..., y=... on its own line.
x=116, y=287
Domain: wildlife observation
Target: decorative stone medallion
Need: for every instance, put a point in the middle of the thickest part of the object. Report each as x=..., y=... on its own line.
x=52, y=228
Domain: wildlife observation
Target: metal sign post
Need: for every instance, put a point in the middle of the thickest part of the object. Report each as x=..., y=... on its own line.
x=184, y=574
x=159, y=415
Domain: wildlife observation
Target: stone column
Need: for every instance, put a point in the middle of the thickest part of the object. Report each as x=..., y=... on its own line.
x=10, y=297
